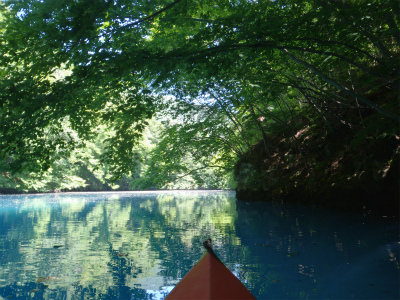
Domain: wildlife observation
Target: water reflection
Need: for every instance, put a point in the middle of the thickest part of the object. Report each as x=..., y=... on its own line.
x=138, y=246
x=114, y=244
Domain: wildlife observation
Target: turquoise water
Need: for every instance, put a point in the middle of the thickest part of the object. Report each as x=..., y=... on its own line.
x=139, y=245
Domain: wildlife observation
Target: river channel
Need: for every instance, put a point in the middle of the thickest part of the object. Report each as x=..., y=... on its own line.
x=138, y=245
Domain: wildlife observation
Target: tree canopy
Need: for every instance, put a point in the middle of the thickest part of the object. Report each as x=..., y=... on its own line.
x=220, y=76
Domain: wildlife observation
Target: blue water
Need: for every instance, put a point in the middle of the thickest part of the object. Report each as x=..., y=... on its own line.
x=139, y=245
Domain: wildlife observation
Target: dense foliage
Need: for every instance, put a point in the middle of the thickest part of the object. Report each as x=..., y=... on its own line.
x=218, y=77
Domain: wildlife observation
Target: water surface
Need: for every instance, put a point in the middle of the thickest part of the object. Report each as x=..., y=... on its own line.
x=139, y=245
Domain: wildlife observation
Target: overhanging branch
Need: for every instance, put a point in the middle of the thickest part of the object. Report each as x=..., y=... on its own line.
x=152, y=16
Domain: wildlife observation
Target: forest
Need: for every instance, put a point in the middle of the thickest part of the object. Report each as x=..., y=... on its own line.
x=276, y=99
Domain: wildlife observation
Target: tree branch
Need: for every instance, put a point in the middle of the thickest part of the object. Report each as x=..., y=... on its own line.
x=152, y=16
x=198, y=169
x=341, y=88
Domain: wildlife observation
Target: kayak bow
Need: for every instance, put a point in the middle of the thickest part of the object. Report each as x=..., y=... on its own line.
x=209, y=279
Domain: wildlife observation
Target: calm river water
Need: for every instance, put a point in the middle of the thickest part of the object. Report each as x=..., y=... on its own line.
x=139, y=245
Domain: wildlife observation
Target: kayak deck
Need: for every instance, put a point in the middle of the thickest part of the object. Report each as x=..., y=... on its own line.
x=209, y=279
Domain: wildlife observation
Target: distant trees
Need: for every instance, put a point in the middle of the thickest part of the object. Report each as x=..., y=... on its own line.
x=237, y=71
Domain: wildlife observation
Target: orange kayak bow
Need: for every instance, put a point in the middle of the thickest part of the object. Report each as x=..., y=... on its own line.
x=209, y=279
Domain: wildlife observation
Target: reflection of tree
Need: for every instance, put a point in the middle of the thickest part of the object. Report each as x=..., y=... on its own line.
x=191, y=219
x=117, y=245
x=94, y=240
x=198, y=216
x=78, y=246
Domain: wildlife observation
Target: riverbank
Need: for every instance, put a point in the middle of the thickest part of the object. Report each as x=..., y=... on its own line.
x=345, y=169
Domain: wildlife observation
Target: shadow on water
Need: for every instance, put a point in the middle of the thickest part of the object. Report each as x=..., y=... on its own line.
x=139, y=245
x=312, y=253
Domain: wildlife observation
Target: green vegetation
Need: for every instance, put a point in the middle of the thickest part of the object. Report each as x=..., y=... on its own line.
x=179, y=94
